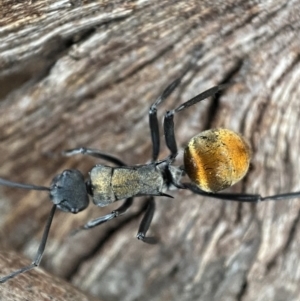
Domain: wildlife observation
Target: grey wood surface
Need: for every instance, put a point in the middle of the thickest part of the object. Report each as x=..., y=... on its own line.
x=84, y=73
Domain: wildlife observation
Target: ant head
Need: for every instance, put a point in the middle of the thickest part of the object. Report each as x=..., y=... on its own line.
x=68, y=191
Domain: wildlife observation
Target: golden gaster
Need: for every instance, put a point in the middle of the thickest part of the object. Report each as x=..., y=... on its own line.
x=216, y=159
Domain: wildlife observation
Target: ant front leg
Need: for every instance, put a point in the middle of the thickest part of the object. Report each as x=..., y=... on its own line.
x=93, y=153
x=39, y=254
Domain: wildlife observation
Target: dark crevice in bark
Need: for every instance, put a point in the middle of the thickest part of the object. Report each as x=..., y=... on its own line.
x=291, y=238
x=215, y=103
x=258, y=124
x=25, y=75
x=40, y=65
x=246, y=21
x=139, y=67
x=243, y=290
x=293, y=65
x=82, y=36
x=144, y=64
x=292, y=234
x=271, y=15
x=239, y=215
x=195, y=54
x=123, y=77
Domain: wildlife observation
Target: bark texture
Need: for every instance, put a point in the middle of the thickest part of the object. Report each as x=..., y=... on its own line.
x=36, y=286
x=84, y=73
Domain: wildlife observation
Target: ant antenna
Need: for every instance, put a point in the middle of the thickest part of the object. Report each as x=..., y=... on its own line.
x=22, y=186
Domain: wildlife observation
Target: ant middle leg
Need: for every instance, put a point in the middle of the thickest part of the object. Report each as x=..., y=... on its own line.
x=102, y=219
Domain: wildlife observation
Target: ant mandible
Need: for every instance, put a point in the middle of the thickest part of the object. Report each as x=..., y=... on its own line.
x=213, y=160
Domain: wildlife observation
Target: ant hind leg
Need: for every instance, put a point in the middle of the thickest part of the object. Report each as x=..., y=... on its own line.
x=169, y=117
x=242, y=197
x=153, y=121
x=145, y=223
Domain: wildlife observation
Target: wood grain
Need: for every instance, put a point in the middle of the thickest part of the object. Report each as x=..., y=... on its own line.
x=84, y=73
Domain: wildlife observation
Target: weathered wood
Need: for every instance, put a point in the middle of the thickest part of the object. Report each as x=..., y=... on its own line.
x=38, y=286
x=84, y=73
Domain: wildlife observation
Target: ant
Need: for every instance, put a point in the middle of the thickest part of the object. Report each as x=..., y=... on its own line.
x=213, y=160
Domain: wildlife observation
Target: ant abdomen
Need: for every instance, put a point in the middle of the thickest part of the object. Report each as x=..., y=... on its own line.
x=216, y=159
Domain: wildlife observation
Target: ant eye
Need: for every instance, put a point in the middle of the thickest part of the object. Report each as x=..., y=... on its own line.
x=216, y=159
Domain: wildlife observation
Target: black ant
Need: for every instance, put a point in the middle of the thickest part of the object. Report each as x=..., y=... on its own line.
x=213, y=160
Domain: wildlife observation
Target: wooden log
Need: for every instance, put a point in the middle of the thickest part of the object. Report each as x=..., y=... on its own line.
x=35, y=286
x=84, y=73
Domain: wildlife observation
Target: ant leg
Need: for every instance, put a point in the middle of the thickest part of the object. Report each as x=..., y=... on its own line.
x=240, y=197
x=169, y=117
x=153, y=122
x=102, y=219
x=40, y=251
x=145, y=223
x=93, y=153
x=144, y=226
